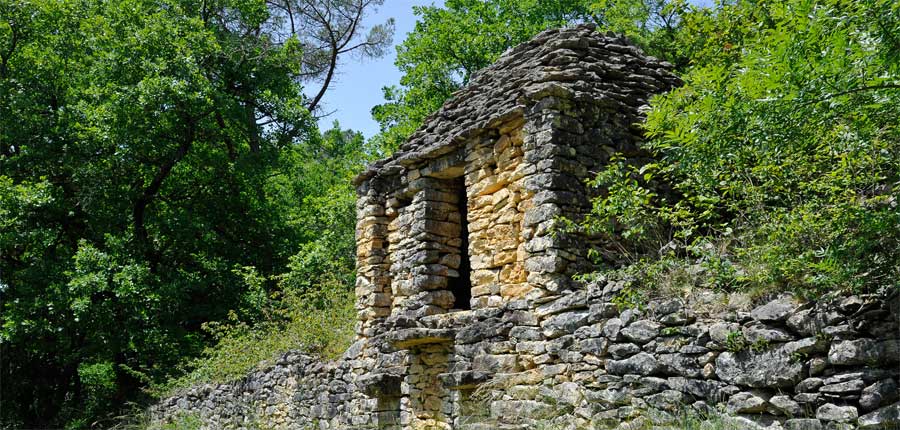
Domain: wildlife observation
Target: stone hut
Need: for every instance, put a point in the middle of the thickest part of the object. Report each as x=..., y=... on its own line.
x=469, y=316
x=462, y=217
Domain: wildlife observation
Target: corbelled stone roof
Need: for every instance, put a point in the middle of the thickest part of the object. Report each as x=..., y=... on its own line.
x=576, y=62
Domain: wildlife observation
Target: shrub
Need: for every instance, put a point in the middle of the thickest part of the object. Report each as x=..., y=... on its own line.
x=318, y=321
x=777, y=164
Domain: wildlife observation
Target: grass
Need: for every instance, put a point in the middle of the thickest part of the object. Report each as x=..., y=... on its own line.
x=141, y=419
x=320, y=323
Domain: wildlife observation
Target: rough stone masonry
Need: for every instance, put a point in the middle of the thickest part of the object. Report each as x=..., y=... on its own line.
x=468, y=313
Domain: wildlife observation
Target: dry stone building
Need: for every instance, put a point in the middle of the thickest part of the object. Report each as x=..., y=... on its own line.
x=468, y=313
x=462, y=216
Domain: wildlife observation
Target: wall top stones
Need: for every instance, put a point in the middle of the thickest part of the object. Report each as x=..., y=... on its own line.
x=577, y=63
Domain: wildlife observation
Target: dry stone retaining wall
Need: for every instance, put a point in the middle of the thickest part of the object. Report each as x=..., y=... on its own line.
x=785, y=364
x=469, y=316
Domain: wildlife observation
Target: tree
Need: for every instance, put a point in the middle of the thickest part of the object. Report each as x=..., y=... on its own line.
x=147, y=149
x=452, y=42
x=782, y=151
x=329, y=29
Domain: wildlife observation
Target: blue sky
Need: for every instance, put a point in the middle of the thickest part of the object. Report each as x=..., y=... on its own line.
x=359, y=83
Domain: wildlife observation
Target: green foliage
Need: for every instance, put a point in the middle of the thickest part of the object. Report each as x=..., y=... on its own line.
x=627, y=206
x=138, y=417
x=182, y=422
x=760, y=345
x=799, y=357
x=670, y=331
x=99, y=384
x=630, y=298
x=452, y=42
x=151, y=151
x=319, y=321
x=736, y=342
x=657, y=26
x=779, y=155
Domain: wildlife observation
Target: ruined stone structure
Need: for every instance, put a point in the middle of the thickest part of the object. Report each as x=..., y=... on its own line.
x=468, y=313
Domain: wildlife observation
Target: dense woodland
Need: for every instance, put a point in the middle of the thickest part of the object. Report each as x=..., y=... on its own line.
x=171, y=214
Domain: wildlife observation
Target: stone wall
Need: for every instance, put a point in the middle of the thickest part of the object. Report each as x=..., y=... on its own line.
x=498, y=202
x=579, y=361
x=469, y=316
x=784, y=364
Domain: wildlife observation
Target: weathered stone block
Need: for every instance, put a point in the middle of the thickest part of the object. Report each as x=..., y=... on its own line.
x=862, y=351
x=803, y=424
x=830, y=412
x=785, y=405
x=565, y=323
x=773, y=368
x=746, y=403
x=776, y=310
x=638, y=364
x=877, y=394
x=642, y=331
x=622, y=350
x=885, y=418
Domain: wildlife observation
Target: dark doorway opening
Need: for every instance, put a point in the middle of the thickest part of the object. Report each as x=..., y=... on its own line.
x=388, y=412
x=461, y=286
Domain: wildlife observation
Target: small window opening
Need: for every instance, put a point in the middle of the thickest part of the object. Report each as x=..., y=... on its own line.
x=461, y=286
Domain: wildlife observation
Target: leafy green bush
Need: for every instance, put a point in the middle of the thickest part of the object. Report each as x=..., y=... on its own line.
x=735, y=341
x=140, y=418
x=99, y=386
x=777, y=164
x=318, y=321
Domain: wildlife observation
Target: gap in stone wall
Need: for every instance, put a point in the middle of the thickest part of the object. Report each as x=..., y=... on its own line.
x=388, y=414
x=461, y=285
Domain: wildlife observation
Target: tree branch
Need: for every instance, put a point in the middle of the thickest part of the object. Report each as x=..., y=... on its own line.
x=4, y=58
x=332, y=65
x=149, y=193
x=357, y=46
x=229, y=144
x=853, y=91
x=351, y=31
